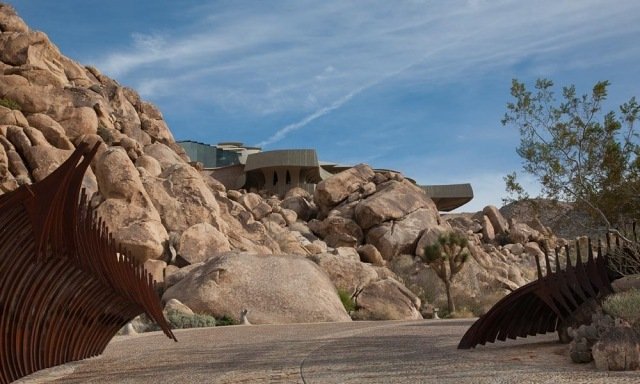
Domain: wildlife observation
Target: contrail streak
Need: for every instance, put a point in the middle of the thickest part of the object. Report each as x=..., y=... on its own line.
x=282, y=132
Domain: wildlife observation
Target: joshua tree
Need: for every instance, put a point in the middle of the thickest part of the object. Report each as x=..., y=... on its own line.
x=446, y=257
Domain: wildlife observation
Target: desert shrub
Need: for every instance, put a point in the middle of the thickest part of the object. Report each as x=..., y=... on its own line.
x=347, y=301
x=8, y=103
x=624, y=305
x=225, y=320
x=179, y=320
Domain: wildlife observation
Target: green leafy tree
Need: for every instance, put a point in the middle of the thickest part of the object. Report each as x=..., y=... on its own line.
x=447, y=257
x=577, y=152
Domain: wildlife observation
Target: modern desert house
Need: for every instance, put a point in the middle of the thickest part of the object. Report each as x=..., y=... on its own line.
x=241, y=167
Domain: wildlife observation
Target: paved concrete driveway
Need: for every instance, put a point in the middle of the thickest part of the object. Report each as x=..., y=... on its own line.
x=358, y=352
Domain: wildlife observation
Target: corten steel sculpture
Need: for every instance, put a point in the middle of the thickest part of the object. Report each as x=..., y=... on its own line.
x=546, y=304
x=66, y=287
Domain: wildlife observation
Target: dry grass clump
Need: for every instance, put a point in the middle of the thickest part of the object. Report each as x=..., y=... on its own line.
x=624, y=305
x=8, y=103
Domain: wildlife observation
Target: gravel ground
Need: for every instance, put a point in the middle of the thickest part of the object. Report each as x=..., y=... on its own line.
x=359, y=352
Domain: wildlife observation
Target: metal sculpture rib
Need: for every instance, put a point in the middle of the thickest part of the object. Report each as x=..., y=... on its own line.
x=543, y=305
x=66, y=287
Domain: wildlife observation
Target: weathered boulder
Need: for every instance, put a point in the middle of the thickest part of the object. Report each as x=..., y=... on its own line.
x=394, y=200
x=174, y=274
x=337, y=231
x=290, y=216
x=31, y=51
x=297, y=192
x=117, y=176
x=499, y=223
x=617, y=350
x=522, y=233
x=256, y=205
x=346, y=274
x=17, y=167
x=150, y=164
x=156, y=128
x=300, y=205
x=78, y=121
x=44, y=159
x=370, y=254
x=347, y=253
x=338, y=187
x=465, y=223
x=165, y=155
x=269, y=287
x=401, y=236
x=200, y=242
x=488, y=233
x=174, y=305
x=145, y=239
x=387, y=299
x=19, y=139
x=182, y=198
x=243, y=232
x=289, y=242
x=127, y=209
x=626, y=283
x=274, y=219
x=10, y=21
x=7, y=181
x=12, y=117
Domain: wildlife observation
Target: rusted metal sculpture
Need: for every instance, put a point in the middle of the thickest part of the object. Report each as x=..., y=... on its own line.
x=66, y=287
x=546, y=304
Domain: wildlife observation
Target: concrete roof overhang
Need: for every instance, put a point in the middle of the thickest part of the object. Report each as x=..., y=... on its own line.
x=449, y=197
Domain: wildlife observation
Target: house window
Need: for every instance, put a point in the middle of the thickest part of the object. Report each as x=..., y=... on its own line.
x=288, y=179
x=275, y=178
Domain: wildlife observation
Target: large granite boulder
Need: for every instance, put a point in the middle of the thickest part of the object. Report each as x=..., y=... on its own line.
x=10, y=21
x=618, y=350
x=300, y=205
x=12, y=117
x=275, y=289
x=370, y=254
x=338, y=231
x=182, y=198
x=200, y=242
x=498, y=222
x=346, y=274
x=338, y=187
x=242, y=230
x=127, y=209
x=392, y=238
x=387, y=299
x=163, y=154
x=393, y=200
x=51, y=129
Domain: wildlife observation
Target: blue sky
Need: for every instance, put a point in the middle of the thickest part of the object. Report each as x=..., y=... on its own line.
x=417, y=86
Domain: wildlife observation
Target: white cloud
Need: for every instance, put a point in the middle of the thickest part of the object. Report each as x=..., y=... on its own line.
x=312, y=57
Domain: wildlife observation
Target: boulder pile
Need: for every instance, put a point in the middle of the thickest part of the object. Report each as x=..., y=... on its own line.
x=283, y=258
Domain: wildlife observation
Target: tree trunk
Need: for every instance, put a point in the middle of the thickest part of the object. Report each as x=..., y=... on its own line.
x=450, y=305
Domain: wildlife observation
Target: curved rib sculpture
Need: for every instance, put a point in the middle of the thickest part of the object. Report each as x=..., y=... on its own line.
x=66, y=288
x=542, y=305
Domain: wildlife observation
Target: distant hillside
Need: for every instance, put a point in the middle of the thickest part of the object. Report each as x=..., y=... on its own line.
x=563, y=218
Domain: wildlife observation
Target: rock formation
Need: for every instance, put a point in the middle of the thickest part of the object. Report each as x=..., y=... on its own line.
x=221, y=251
